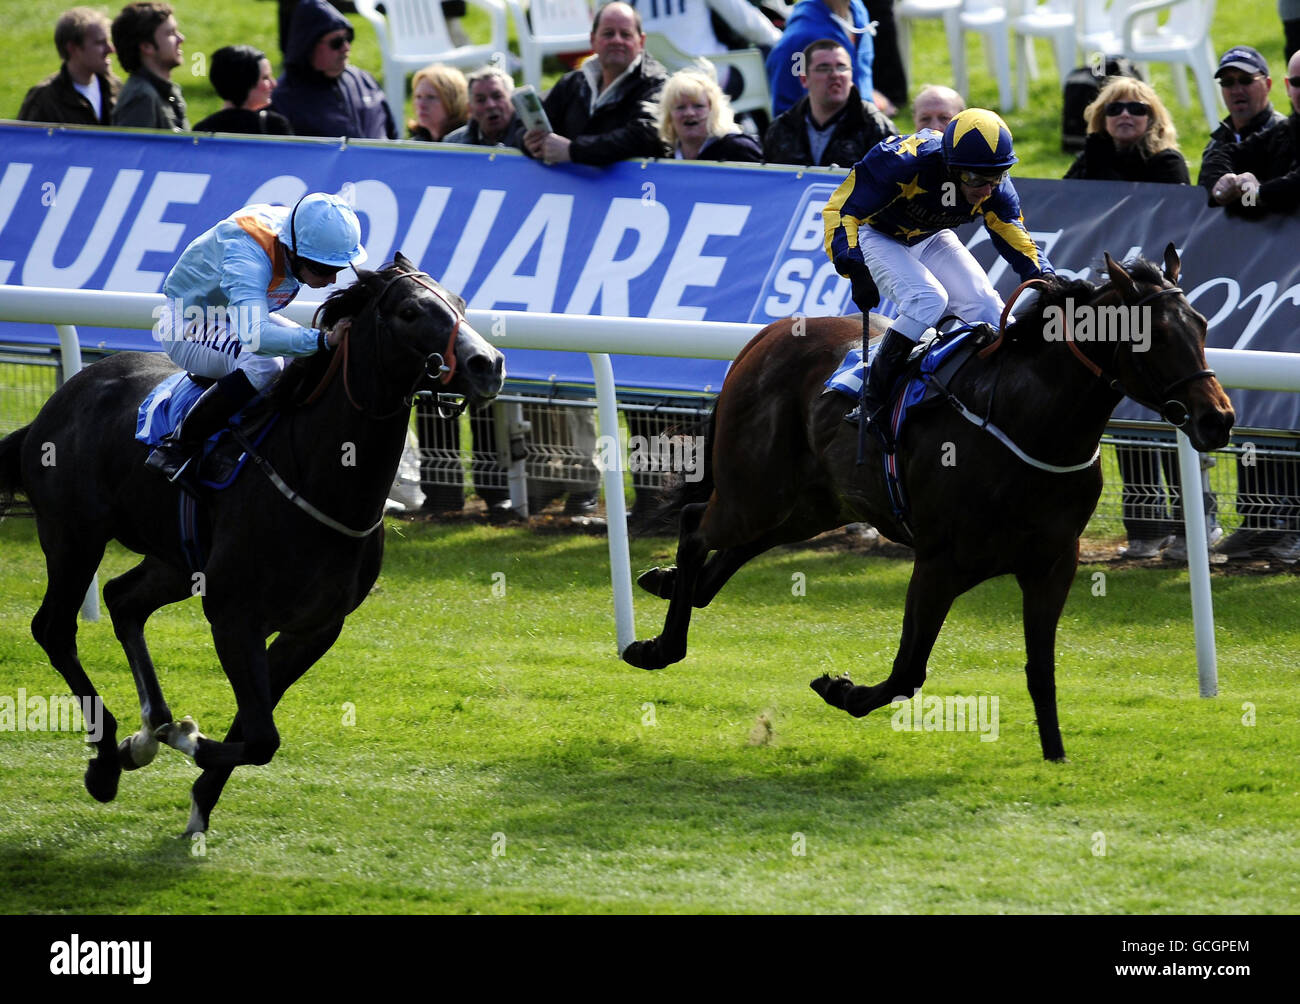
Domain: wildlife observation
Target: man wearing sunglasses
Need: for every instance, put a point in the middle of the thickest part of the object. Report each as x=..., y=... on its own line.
x=220, y=322
x=889, y=229
x=1259, y=175
x=319, y=92
x=1245, y=83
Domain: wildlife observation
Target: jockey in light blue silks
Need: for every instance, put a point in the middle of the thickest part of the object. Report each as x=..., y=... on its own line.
x=889, y=230
x=220, y=322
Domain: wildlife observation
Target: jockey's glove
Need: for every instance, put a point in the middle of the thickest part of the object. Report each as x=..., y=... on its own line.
x=865, y=293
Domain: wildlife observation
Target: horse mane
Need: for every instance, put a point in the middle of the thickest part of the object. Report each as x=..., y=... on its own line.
x=304, y=373
x=1057, y=289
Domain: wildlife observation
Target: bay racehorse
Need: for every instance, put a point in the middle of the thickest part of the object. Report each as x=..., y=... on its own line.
x=780, y=467
x=271, y=565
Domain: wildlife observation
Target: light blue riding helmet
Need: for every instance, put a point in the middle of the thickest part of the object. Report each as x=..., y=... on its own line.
x=324, y=228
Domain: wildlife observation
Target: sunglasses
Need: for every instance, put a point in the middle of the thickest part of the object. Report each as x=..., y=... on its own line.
x=320, y=268
x=1293, y=81
x=338, y=41
x=1231, y=81
x=974, y=180
x=1134, y=108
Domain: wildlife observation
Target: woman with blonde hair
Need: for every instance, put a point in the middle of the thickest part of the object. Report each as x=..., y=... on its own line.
x=441, y=99
x=1130, y=137
x=696, y=121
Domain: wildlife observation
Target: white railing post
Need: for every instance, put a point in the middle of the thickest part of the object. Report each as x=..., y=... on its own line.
x=1198, y=565
x=620, y=563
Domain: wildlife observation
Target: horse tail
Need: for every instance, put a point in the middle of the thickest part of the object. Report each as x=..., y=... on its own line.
x=11, y=474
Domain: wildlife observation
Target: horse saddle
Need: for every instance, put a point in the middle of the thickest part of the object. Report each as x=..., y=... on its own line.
x=223, y=457
x=929, y=370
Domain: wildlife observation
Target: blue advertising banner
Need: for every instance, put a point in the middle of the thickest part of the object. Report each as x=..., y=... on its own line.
x=106, y=210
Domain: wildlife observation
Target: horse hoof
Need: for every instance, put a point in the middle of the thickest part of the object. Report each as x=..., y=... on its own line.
x=643, y=655
x=658, y=582
x=198, y=821
x=832, y=689
x=101, y=779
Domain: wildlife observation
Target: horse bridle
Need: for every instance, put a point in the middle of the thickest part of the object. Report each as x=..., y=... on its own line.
x=441, y=365
x=1163, y=410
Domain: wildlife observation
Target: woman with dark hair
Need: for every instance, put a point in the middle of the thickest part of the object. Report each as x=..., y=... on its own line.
x=241, y=76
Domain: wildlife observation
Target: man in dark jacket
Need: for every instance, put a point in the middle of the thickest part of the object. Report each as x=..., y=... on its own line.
x=605, y=110
x=1259, y=175
x=831, y=124
x=492, y=118
x=319, y=93
x=84, y=89
x=1244, y=79
x=148, y=43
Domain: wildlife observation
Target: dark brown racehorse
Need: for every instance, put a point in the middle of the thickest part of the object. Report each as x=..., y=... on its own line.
x=780, y=467
x=272, y=567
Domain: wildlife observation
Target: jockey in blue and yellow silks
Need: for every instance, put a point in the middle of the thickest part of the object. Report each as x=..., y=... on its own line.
x=889, y=229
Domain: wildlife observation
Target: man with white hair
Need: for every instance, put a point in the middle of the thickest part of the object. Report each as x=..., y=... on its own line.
x=492, y=118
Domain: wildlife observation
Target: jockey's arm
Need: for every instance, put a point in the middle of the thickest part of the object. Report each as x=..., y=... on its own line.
x=245, y=279
x=857, y=199
x=1006, y=227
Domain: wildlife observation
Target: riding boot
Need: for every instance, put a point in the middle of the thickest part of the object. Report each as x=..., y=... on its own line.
x=210, y=413
x=881, y=375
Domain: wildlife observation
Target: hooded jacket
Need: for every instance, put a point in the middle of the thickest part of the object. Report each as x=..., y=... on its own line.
x=352, y=105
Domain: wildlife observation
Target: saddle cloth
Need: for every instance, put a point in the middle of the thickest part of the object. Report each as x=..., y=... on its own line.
x=926, y=375
x=163, y=409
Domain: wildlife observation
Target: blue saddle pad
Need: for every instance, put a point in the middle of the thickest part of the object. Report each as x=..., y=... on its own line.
x=164, y=407
x=847, y=379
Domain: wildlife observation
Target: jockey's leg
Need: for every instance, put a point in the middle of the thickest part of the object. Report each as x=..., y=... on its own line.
x=209, y=348
x=970, y=294
x=921, y=300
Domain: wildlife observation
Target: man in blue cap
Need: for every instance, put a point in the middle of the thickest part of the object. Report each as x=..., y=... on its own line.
x=1245, y=82
x=220, y=321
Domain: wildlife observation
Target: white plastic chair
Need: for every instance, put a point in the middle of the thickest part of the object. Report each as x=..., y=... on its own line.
x=1050, y=19
x=1098, y=29
x=990, y=19
x=413, y=34
x=749, y=63
x=1182, y=41
x=907, y=11
x=557, y=26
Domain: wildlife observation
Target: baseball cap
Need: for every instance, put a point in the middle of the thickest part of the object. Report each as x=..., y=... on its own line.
x=1242, y=57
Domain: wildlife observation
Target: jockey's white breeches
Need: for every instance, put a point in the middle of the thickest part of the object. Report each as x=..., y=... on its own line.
x=210, y=346
x=932, y=278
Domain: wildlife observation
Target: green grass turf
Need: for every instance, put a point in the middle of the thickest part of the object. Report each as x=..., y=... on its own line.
x=489, y=722
x=1037, y=128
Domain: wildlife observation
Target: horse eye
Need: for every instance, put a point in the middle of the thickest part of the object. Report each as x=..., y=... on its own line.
x=409, y=313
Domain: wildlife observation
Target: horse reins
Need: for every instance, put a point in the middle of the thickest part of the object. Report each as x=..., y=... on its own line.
x=1113, y=382
x=446, y=360
x=340, y=359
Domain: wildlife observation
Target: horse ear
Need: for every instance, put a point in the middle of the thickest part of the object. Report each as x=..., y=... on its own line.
x=402, y=261
x=1122, y=280
x=1172, y=264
